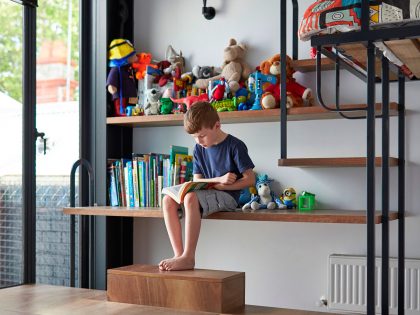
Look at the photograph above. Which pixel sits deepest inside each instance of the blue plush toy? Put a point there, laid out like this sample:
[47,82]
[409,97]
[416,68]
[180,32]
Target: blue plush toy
[265,199]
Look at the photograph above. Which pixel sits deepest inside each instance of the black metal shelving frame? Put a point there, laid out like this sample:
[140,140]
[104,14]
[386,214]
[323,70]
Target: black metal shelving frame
[367,36]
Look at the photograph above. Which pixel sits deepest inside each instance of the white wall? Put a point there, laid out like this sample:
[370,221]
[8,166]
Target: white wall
[285,263]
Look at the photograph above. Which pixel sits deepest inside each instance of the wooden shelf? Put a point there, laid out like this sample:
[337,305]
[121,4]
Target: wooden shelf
[332,162]
[266,115]
[316,216]
[309,65]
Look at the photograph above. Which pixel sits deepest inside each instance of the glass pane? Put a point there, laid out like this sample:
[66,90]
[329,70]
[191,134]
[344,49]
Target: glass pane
[11,245]
[57,115]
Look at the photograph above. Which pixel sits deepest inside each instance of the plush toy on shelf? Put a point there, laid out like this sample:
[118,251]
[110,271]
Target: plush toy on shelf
[297,94]
[234,68]
[121,81]
[265,198]
[174,60]
[152,104]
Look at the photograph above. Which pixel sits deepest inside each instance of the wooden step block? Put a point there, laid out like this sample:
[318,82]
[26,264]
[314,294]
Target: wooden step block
[199,289]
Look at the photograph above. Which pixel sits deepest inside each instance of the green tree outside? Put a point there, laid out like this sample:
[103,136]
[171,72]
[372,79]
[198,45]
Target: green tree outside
[52,24]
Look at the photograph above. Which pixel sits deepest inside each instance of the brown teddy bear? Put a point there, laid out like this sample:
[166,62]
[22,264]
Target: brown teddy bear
[234,68]
[297,95]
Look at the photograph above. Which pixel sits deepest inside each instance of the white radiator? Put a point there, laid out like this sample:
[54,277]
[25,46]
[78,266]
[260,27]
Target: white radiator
[347,284]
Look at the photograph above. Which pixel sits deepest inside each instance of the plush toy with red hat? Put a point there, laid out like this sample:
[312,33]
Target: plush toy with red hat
[121,78]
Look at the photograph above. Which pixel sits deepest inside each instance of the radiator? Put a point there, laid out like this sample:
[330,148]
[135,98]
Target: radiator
[347,284]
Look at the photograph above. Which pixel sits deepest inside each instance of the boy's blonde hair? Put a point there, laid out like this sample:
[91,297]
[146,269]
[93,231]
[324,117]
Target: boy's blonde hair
[200,115]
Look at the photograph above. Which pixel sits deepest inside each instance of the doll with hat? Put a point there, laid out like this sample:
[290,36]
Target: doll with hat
[121,78]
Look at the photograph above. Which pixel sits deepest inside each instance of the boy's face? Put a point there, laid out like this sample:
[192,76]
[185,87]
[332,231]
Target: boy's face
[207,137]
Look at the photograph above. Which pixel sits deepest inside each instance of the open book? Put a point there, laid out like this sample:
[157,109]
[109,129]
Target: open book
[178,192]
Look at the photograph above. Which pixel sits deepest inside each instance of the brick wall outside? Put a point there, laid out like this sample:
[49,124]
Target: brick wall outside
[52,231]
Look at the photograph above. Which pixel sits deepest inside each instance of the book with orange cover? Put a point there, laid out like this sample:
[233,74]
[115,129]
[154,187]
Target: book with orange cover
[178,192]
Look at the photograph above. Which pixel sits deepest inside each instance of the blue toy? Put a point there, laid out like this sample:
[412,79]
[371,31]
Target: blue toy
[256,81]
[265,199]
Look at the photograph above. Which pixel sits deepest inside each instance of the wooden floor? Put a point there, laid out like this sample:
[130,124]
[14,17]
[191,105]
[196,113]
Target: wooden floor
[52,300]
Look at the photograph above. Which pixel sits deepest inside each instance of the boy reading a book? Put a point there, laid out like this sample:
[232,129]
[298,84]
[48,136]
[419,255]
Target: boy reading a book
[219,158]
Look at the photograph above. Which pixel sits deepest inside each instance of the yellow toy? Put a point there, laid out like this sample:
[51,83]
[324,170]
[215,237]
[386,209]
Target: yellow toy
[288,198]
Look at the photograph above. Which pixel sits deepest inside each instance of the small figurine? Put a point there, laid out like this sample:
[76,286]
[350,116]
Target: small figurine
[121,80]
[152,104]
[288,198]
[218,92]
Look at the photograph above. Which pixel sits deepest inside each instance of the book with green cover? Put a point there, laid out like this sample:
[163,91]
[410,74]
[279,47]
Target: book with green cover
[178,192]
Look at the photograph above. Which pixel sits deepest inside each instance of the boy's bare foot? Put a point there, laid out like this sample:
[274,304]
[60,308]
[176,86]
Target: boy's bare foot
[177,263]
[161,264]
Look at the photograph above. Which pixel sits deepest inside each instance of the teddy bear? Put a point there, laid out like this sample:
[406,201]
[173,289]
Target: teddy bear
[234,68]
[297,95]
[152,104]
[265,198]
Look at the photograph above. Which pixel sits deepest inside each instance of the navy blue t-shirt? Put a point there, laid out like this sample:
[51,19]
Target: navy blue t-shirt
[231,155]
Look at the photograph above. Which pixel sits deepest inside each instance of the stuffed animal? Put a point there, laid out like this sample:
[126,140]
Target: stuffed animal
[297,95]
[265,198]
[204,72]
[167,67]
[152,104]
[234,68]
[144,60]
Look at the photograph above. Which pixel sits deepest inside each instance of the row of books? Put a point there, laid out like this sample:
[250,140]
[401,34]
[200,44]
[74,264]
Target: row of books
[139,180]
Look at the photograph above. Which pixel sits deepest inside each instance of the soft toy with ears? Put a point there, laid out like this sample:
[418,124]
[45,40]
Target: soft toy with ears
[297,95]
[234,68]
[265,199]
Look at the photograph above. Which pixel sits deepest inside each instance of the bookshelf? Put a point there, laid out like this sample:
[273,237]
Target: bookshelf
[316,216]
[266,115]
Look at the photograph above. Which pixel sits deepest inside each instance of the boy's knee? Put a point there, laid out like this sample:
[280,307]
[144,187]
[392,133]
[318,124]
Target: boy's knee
[191,199]
[168,203]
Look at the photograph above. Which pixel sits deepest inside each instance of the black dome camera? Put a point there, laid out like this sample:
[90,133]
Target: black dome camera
[208,12]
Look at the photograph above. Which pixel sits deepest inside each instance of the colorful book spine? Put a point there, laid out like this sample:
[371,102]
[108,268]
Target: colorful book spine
[130,183]
[136,183]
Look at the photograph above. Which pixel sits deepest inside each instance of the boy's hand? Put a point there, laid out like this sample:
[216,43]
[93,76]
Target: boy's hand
[228,178]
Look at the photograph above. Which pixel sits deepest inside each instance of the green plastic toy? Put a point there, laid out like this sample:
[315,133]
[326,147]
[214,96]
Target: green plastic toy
[306,201]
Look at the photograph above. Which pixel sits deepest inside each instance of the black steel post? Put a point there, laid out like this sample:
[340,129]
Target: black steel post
[295,52]
[29,139]
[385,187]
[283,96]
[401,192]
[370,173]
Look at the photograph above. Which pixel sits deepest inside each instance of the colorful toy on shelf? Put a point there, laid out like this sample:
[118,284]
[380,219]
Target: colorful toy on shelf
[152,104]
[288,198]
[227,104]
[166,106]
[173,61]
[297,95]
[234,68]
[219,91]
[203,72]
[121,82]
[143,61]
[190,100]
[266,198]
[256,81]
[306,201]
